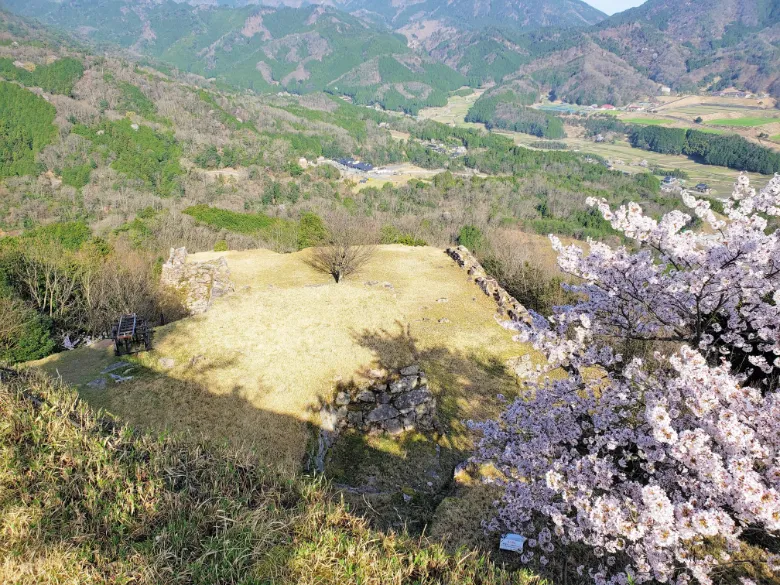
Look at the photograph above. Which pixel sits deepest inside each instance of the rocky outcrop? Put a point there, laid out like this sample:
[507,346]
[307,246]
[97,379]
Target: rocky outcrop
[198,282]
[507,304]
[389,404]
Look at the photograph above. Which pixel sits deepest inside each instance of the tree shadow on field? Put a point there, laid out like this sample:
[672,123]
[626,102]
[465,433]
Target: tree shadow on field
[400,482]
[181,405]
[466,385]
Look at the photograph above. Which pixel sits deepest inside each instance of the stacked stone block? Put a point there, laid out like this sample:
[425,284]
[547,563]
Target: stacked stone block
[392,404]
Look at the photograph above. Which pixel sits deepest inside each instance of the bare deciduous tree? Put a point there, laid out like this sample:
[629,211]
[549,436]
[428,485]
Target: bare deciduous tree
[349,248]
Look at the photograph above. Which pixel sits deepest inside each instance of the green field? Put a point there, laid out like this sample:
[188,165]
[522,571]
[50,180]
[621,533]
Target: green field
[646,121]
[746,122]
[454,112]
[775,138]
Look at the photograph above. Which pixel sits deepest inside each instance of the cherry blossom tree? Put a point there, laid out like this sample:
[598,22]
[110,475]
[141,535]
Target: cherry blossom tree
[662,467]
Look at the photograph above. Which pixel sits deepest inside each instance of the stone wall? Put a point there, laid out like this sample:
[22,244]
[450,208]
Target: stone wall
[199,282]
[507,304]
[390,404]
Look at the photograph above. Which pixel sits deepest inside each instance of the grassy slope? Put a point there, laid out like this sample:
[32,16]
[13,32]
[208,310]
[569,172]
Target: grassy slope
[86,501]
[255,368]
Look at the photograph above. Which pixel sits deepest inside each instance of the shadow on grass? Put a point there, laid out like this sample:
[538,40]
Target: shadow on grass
[400,482]
[465,384]
[86,501]
[397,483]
[158,402]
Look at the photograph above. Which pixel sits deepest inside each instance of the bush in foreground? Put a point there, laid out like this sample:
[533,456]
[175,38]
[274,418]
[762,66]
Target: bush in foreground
[667,467]
[85,500]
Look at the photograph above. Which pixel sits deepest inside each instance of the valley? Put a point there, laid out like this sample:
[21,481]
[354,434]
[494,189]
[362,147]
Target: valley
[679,112]
[426,292]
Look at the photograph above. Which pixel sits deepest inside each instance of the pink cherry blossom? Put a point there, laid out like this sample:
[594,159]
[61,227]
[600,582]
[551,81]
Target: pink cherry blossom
[644,460]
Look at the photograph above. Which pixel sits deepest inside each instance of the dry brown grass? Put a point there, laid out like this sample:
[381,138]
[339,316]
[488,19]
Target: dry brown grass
[255,368]
[86,501]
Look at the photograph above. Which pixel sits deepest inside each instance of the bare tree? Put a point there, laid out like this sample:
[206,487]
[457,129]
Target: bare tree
[349,248]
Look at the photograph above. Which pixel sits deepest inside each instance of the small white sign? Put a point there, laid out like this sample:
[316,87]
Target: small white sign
[513,542]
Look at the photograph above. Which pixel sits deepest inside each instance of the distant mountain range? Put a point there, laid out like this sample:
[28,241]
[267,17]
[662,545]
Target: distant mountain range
[470,14]
[410,53]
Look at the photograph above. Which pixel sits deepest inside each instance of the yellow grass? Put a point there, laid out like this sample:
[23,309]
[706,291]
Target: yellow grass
[255,368]
[454,112]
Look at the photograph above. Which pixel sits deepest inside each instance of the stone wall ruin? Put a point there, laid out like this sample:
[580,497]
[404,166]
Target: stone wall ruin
[198,282]
[390,404]
[508,305]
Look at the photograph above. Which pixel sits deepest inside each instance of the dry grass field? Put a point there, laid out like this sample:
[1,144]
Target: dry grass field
[454,112]
[254,370]
[396,174]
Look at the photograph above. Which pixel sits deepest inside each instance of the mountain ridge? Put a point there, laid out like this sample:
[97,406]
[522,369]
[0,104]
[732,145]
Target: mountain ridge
[410,53]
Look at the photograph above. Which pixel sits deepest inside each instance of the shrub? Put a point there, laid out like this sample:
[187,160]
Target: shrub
[24,335]
[392,235]
[648,182]
[77,176]
[221,246]
[241,223]
[70,235]
[311,230]
[345,251]
[549,145]
[471,237]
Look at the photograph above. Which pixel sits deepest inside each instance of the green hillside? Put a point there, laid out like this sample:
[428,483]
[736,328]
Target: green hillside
[297,50]
[25,128]
[472,14]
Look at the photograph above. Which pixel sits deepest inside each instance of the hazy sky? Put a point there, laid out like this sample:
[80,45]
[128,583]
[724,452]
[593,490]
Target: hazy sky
[613,6]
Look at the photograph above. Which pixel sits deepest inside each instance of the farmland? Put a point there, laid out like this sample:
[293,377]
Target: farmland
[454,112]
[720,179]
[747,122]
[624,157]
[647,121]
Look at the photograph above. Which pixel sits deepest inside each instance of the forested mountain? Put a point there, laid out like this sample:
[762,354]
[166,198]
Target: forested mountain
[420,17]
[264,49]
[461,14]
[408,54]
[696,44]
[714,44]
